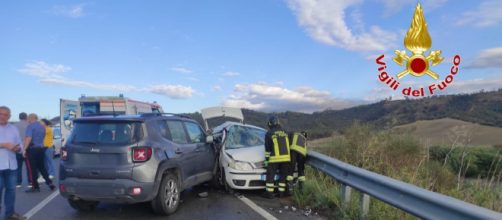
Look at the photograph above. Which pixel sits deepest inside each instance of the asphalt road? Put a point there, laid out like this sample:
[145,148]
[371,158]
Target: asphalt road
[49,205]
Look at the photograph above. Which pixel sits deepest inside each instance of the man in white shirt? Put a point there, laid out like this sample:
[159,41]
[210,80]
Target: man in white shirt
[10,144]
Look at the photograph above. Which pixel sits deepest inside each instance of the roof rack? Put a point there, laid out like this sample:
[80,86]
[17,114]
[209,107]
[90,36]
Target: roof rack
[164,114]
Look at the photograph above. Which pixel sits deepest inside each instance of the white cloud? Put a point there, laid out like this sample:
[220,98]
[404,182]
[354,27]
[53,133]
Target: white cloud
[491,57]
[42,69]
[265,97]
[237,102]
[324,21]
[488,13]
[231,74]
[456,87]
[71,11]
[52,75]
[172,91]
[91,85]
[182,70]
[476,85]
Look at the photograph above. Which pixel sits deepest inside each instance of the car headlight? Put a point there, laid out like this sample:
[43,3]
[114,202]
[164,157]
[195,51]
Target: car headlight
[239,165]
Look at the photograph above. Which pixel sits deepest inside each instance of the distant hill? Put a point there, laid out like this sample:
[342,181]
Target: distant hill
[447,131]
[483,108]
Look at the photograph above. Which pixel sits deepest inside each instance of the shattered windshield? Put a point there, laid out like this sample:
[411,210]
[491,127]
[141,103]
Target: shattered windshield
[242,136]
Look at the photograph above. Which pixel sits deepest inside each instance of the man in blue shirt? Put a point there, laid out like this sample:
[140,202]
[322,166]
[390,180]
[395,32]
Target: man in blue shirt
[35,152]
[10,143]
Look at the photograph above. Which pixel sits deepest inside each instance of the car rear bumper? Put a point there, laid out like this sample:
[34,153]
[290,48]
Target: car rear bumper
[245,180]
[113,191]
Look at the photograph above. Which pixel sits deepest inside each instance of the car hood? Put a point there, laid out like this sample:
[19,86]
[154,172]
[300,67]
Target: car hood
[248,154]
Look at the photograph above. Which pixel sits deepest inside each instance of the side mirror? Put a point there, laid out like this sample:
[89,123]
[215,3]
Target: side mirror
[209,139]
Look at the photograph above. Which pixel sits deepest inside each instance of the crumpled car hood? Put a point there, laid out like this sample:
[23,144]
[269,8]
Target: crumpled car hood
[248,154]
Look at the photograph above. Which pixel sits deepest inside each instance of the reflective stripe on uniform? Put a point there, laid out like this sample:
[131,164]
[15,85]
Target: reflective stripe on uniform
[299,147]
[270,187]
[278,157]
[290,178]
[282,187]
[301,178]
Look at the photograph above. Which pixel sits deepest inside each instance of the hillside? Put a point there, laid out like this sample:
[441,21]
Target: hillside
[446,131]
[483,108]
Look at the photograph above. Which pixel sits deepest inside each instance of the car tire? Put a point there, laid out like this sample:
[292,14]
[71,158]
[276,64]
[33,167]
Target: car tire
[83,205]
[168,197]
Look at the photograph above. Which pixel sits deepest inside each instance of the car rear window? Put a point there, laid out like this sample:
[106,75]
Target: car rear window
[106,132]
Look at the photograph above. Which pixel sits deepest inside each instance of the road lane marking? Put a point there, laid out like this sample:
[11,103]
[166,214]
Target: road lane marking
[257,208]
[41,205]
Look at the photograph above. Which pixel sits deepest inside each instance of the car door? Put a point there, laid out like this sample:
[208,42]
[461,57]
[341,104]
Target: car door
[204,151]
[184,150]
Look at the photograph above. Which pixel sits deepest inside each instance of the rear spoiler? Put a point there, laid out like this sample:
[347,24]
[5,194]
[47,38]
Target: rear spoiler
[215,112]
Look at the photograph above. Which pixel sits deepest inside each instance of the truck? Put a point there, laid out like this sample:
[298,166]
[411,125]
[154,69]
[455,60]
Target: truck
[100,105]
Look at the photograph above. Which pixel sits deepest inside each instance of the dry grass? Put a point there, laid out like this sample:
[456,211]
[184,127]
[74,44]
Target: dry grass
[445,131]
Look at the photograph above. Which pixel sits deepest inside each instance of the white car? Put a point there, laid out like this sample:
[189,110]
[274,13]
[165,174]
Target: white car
[241,150]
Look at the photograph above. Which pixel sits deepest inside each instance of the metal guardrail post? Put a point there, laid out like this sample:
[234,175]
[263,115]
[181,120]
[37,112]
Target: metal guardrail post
[345,196]
[364,206]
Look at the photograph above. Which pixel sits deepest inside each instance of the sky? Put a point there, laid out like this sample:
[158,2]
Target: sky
[267,55]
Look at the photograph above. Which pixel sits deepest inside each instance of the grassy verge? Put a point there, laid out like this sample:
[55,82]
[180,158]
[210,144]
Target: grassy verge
[402,157]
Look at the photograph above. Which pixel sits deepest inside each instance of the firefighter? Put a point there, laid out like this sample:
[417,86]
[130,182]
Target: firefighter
[277,157]
[298,158]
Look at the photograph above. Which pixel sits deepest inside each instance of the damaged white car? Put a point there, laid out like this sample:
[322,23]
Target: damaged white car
[241,150]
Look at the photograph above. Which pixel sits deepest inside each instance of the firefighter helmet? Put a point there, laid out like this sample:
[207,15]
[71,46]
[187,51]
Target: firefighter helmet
[273,121]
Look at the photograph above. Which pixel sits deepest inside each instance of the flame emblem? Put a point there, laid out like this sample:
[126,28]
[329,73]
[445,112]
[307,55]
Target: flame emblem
[418,41]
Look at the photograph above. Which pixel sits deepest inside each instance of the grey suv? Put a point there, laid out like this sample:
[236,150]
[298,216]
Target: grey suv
[131,159]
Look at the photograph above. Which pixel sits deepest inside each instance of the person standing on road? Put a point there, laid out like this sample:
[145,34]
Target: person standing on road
[49,148]
[277,157]
[21,127]
[10,144]
[35,153]
[298,157]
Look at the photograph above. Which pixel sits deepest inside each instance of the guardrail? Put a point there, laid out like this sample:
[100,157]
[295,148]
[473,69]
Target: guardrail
[407,197]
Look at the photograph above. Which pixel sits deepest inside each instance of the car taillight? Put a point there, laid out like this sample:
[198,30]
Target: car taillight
[135,191]
[141,154]
[64,153]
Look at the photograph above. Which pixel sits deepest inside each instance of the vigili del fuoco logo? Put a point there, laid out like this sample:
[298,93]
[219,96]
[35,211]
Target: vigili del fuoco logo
[417,64]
